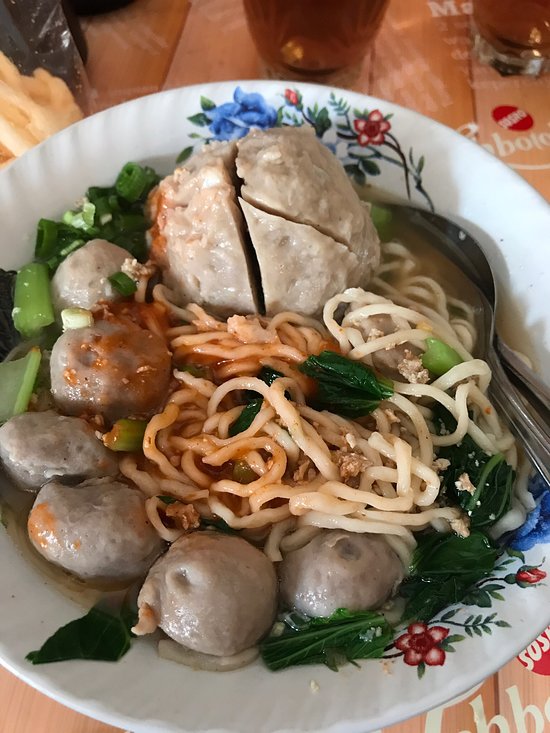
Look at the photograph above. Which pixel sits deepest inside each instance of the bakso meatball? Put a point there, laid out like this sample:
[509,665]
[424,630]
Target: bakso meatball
[210,592]
[36,447]
[82,279]
[339,570]
[113,370]
[97,530]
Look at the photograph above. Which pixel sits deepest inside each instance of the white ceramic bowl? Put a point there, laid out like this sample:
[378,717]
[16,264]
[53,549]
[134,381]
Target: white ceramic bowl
[398,151]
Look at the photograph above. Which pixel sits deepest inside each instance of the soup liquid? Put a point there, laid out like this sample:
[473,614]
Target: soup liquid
[313,38]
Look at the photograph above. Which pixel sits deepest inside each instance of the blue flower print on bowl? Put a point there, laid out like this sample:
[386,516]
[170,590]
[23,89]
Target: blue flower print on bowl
[536,529]
[233,120]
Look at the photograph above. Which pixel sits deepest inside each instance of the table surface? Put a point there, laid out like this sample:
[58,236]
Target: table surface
[161,44]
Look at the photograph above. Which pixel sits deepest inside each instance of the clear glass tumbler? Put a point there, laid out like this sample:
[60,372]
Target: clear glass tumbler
[314,40]
[513,36]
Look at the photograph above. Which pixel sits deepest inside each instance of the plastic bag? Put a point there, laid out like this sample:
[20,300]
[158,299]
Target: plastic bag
[43,85]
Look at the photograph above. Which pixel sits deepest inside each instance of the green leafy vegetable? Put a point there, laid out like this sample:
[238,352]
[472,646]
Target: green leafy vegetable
[492,477]
[342,637]
[439,357]
[98,635]
[443,568]
[17,380]
[218,524]
[344,386]
[32,303]
[249,411]
[126,435]
[122,283]
[167,499]
[246,418]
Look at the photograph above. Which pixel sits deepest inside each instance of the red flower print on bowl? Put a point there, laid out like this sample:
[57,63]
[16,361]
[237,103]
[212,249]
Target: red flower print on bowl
[292,97]
[531,576]
[421,645]
[370,131]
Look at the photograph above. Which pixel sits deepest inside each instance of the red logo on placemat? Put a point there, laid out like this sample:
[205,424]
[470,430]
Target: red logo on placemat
[537,655]
[512,118]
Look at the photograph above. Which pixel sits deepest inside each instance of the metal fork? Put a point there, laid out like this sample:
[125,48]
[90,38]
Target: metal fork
[522,397]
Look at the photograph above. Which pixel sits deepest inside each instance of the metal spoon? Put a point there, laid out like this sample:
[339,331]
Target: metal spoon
[525,401]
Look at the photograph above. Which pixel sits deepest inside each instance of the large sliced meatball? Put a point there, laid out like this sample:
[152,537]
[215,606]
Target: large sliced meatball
[36,447]
[82,279]
[198,236]
[97,530]
[339,570]
[110,369]
[300,268]
[289,172]
[210,592]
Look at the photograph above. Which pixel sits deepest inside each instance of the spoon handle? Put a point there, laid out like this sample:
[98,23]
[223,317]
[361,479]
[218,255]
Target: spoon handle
[529,426]
[530,381]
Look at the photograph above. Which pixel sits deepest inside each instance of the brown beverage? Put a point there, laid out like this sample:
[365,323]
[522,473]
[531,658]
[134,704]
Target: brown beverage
[514,35]
[318,40]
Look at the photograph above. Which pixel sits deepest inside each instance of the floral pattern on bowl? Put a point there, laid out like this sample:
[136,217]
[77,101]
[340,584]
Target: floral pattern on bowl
[361,138]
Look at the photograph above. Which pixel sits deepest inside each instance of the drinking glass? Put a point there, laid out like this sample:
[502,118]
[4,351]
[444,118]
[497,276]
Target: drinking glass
[513,35]
[314,40]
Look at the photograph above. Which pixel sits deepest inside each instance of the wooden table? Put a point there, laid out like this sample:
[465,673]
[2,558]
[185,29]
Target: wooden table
[421,59]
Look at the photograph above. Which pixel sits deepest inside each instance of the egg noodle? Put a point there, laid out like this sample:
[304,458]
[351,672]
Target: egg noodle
[308,469]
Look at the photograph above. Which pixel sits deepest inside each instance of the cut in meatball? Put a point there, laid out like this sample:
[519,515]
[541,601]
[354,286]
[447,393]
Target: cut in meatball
[36,447]
[339,570]
[287,171]
[210,592]
[198,235]
[109,369]
[97,530]
[81,280]
[300,268]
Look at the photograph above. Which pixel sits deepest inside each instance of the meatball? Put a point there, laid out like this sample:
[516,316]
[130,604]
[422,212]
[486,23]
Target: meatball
[97,530]
[81,280]
[36,447]
[210,592]
[110,369]
[339,570]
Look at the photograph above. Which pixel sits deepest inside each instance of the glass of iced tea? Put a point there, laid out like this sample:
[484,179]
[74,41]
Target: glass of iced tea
[314,40]
[513,35]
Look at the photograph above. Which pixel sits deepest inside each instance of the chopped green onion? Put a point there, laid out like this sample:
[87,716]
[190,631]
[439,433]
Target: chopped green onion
[439,357]
[82,219]
[382,220]
[134,182]
[126,435]
[32,302]
[167,499]
[76,318]
[17,380]
[243,473]
[46,238]
[122,283]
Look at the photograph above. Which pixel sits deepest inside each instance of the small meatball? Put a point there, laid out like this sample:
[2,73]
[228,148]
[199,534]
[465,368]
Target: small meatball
[210,592]
[97,530]
[36,447]
[108,369]
[339,570]
[81,280]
